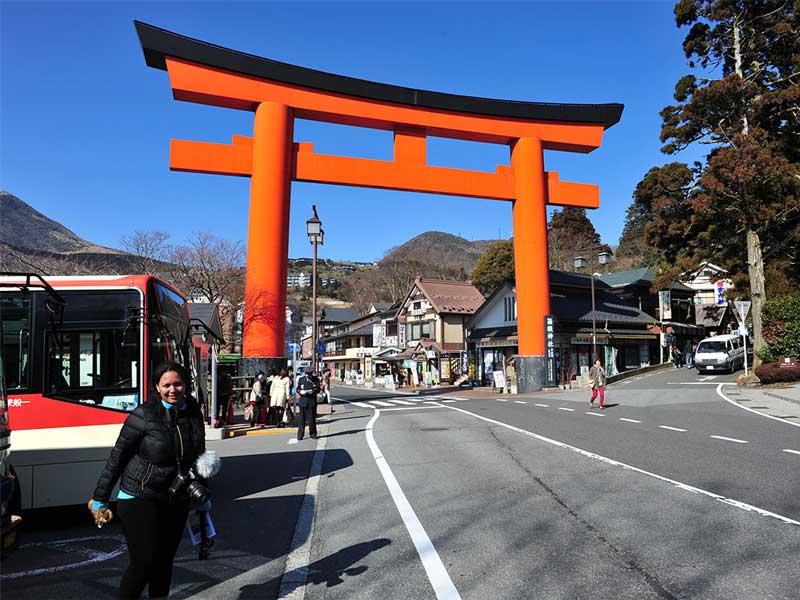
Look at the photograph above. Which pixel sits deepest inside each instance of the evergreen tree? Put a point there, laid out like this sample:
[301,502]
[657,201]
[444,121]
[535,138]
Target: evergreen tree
[570,232]
[494,267]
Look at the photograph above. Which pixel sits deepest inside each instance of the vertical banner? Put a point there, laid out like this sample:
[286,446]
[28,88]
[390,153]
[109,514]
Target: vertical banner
[550,354]
[719,288]
[665,305]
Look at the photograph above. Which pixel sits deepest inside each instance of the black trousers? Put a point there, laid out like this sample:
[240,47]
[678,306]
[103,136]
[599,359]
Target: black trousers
[258,412]
[307,416]
[153,530]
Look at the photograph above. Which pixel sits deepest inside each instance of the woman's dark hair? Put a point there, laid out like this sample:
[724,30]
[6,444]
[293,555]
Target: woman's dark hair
[283,373]
[170,366]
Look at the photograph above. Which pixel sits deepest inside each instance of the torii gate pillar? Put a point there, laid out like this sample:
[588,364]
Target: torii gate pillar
[531,260]
[278,93]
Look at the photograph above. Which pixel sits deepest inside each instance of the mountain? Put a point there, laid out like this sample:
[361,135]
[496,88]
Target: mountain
[23,227]
[440,248]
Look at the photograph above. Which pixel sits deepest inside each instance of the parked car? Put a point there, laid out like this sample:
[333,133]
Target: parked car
[720,353]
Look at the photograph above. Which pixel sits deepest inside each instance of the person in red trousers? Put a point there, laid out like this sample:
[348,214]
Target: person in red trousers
[597,377]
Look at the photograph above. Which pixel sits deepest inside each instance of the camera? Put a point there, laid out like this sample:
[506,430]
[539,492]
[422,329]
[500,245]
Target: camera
[197,492]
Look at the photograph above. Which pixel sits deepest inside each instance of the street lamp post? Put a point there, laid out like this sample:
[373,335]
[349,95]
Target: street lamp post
[579,262]
[315,236]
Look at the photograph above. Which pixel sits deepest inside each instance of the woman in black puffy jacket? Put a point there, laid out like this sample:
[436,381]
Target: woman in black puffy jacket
[160,439]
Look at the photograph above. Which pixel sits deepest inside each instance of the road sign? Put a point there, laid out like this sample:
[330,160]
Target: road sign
[743,307]
[320,347]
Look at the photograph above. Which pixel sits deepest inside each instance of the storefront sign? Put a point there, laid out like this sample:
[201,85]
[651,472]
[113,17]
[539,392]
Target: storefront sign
[498,343]
[464,362]
[719,288]
[602,340]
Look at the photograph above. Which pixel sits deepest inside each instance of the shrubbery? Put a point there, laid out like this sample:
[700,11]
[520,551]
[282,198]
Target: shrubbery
[774,373]
[781,328]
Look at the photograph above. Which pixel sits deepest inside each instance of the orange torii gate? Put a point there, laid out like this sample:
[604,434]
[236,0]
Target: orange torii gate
[278,93]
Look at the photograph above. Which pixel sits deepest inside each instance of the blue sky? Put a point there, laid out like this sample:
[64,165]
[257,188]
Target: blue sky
[85,125]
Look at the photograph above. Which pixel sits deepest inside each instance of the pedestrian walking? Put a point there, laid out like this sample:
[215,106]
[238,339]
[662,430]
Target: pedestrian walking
[325,386]
[155,460]
[278,397]
[688,354]
[307,389]
[677,357]
[258,398]
[224,391]
[597,377]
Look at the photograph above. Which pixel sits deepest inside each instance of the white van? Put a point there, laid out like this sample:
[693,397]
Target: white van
[720,353]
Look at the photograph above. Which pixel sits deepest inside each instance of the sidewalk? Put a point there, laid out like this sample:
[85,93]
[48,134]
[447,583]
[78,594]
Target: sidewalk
[780,402]
[240,427]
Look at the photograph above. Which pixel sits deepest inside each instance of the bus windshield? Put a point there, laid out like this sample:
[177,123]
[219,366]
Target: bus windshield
[169,327]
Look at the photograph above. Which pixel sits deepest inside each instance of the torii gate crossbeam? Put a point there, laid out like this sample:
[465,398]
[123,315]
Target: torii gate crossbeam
[278,93]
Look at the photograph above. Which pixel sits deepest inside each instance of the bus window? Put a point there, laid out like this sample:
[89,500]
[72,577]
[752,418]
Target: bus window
[92,367]
[15,311]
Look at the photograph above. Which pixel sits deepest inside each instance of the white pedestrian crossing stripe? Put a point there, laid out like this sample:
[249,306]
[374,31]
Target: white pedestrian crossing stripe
[380,403]
[403,402]
[361,404]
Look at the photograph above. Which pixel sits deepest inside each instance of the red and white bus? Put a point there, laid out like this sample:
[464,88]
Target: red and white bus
[78,356]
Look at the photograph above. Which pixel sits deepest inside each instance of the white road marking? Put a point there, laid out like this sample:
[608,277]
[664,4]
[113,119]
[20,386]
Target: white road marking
[437,573]
[791,451]
[501,399]
[72,547]
[672,428]
[449,401]
[436,404]
[543,405]
[692,383]
[293,441]
[402,402]
[736,404]
[595,414]
[380,403]
[362,404]
[707,378]
[519,402]
[616,463]
[295,573]
[569,409]
[629,420]
[727,439]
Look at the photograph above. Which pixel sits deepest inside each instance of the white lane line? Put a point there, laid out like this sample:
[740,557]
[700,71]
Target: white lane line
[737,405]
[501,399]
[362,405]
[449,401]
[791,451]
[295,573]
[434,403]
[402,402]
[692,383]
[437,573]
[292,441]
[595,414]
[727,439]
[569,409]
[519,402]
[629,420]
[543,405]
[671,428]
[380,403]
[707,378]
[616,463]
[411,408]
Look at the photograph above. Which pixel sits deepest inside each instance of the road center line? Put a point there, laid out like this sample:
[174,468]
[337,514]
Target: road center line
[595,414]
[501,399]
[629,420]
[616,463]
[791,451]
[295,573]
[727,439]
[671,428]
[519,402]
[543,405]
[569,409]
[437,573]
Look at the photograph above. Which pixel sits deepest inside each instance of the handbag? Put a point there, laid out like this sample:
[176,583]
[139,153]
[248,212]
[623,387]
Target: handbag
[248,412]
[288,416]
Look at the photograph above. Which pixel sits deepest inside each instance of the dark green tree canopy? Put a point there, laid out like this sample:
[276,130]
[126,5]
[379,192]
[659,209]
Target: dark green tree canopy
[494,267]
[570,232]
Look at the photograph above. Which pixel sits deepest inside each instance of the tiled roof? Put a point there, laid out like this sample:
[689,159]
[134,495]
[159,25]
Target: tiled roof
[643,276]
[339,315]
[459,297]
[578,307]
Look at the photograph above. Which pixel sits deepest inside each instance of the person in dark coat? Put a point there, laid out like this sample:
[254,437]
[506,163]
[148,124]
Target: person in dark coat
[307,389]
[162,437]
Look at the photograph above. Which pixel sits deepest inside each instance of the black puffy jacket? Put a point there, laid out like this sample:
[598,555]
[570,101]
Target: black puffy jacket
[147,449]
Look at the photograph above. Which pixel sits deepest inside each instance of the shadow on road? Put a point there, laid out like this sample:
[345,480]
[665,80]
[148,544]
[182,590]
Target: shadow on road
[329,570]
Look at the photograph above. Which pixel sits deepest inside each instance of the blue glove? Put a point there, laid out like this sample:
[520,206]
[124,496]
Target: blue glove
[97,505]
[205,507]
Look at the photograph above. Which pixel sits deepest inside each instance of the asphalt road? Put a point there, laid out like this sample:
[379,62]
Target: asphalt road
[500,497]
